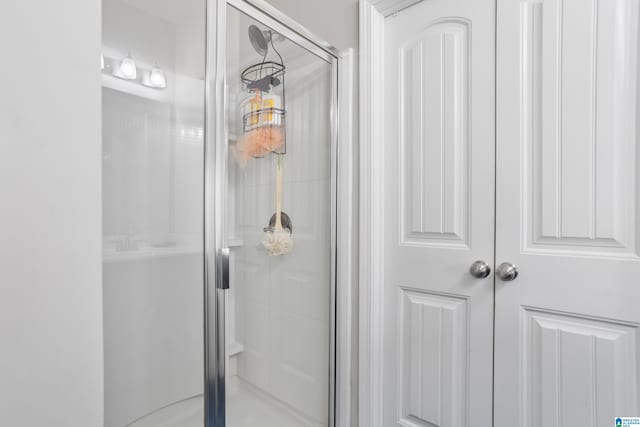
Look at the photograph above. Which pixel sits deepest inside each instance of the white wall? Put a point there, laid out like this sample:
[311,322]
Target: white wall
[50,290]
[336,21]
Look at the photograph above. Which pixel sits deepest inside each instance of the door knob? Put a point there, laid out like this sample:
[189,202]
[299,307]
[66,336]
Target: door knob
[507,272]
[480,269]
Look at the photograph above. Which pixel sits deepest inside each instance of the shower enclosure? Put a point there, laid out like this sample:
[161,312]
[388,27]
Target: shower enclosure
[219,216]
[278,307]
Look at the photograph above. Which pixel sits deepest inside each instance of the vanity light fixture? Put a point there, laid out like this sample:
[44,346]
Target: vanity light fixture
[157,78]
[128,68]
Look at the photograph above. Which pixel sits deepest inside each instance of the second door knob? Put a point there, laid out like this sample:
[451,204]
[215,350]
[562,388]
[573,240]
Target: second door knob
[507,272]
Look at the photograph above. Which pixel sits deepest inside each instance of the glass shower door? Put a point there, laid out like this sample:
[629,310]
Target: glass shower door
[274,226]
[153,68]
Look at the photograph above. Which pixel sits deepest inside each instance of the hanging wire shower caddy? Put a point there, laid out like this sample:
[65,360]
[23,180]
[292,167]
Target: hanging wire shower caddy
[267,110]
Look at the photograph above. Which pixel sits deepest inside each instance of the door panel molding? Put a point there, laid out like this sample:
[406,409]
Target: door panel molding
[558,379]
[578,130]
[433,360]
[435,154]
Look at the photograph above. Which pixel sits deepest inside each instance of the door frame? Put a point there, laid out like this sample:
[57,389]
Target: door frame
[342,340]
[371,243]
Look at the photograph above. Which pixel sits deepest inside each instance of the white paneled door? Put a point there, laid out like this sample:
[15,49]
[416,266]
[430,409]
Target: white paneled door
[566,334]
[439,213]
[553,193]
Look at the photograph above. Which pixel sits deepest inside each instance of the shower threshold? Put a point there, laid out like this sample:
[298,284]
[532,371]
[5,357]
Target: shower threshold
[248,407]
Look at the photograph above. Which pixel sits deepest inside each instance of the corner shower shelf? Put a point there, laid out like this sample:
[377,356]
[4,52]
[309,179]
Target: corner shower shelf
[235,242]
[235,348]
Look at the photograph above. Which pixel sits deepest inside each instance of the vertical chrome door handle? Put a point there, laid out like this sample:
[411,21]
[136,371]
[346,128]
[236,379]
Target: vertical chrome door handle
[222,281]
[480,269]
[507,272]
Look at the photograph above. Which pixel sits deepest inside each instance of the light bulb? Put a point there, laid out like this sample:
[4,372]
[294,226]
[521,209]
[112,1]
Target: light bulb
[102,62]
[128,68]
[157,78]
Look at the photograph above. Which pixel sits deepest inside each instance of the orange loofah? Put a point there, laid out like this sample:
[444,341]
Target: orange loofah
[258,142]
[264,139]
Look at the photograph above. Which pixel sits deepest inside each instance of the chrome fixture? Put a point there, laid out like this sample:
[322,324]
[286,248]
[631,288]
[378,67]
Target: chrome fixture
[507,272]
[259,40]
[286,223]
[480,269]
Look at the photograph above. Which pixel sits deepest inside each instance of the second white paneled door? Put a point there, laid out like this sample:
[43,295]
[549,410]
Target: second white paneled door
[567,347]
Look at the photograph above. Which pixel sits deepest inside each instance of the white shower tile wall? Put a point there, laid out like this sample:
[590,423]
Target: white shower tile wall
[283,303]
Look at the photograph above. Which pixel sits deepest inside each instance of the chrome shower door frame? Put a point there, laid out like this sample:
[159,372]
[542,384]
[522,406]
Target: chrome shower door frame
[216,145]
